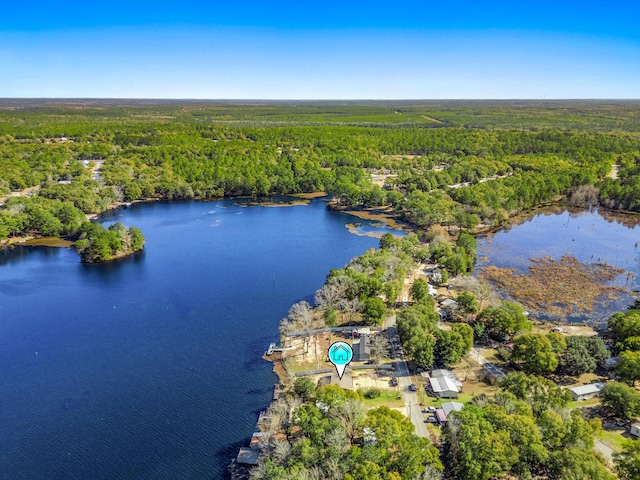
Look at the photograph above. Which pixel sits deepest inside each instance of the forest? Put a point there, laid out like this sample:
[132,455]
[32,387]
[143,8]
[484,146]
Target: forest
[439,163]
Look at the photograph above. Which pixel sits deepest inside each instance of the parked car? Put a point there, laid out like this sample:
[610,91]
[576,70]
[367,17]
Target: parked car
[413,387]
[431,420]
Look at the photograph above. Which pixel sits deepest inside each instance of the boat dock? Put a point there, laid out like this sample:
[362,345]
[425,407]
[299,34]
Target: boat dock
[273,348]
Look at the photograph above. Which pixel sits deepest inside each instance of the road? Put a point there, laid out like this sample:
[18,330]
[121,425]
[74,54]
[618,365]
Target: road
[27,192]
[412,404]
[414,410]
[606,451]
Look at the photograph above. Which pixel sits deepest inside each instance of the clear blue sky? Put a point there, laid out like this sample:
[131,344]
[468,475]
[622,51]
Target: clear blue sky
[349,49]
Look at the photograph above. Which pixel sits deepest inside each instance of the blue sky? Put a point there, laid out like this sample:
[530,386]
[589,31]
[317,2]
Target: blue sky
[320,50]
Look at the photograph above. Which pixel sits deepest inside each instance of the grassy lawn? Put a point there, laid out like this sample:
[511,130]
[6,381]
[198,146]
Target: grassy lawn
[294,366]
[590,402]
[613,437]
[428,401]
[388,398]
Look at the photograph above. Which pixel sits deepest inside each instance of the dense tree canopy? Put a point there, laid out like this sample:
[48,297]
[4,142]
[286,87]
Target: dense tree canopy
[335,439]
[523,432]
[504,320]
[623,401]
[628,461]
[535,353]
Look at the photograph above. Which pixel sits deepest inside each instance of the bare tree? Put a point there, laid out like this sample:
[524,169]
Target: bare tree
[336,438]
[351,307]
[280,452]
[277,412]
[301,314]
[470,364]
[300,311]
[333,468]
[350,414]
[380,347]
[311,473]
[479,288]
[340,289]
[282,412]
[283,329]
[328,295]
[584,196]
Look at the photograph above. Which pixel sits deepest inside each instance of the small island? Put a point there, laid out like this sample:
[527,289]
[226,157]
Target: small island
[98,244]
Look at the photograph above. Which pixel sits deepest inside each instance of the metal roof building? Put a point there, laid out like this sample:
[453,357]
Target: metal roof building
[445,383]
[586,391]
[449,407]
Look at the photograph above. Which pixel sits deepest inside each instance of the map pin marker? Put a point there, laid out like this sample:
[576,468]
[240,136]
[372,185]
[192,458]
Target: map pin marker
[340,354]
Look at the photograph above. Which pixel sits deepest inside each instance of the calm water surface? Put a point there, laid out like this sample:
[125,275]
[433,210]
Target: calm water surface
[589,236]
[151,367]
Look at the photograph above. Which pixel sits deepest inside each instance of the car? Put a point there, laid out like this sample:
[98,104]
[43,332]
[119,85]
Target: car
[431,420]
[413,387]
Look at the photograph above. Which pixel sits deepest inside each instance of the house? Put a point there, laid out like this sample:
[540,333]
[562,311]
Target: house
[441,416]
[445,384]
[635,429]
[433,272]
[248,456]
[345,382]
[442,413]
[449,407]
[610,363]
[259,438]
[362,349]
[584,392]
[448,306]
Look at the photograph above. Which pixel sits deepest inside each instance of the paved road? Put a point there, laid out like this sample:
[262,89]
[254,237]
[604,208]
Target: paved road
[412,404]
[604,449]
[414,410]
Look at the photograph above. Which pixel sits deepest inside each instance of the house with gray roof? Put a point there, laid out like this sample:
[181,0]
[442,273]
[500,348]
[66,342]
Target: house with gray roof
[445,383]
[583,392]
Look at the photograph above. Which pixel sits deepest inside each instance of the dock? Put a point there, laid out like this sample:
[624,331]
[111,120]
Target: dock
[273,348]
[249,456]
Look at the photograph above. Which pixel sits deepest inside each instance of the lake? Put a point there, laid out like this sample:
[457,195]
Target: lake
[150,367]
[589,236]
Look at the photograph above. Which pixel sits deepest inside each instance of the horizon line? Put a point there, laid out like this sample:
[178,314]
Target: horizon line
[272,100]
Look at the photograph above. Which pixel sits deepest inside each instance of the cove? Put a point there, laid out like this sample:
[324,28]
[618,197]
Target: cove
[591,237]
[150,367]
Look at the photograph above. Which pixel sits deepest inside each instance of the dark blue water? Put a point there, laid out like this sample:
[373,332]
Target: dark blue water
[150,367]
[589,236]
